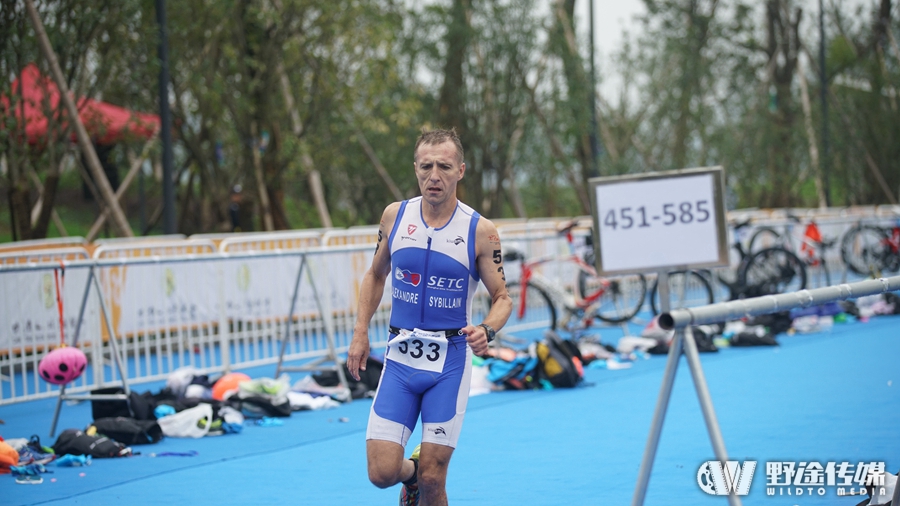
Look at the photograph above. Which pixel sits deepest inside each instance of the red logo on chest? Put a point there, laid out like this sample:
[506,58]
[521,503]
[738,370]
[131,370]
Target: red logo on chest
[410,229]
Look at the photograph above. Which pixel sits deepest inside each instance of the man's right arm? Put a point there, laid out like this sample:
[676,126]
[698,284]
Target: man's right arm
[371,292]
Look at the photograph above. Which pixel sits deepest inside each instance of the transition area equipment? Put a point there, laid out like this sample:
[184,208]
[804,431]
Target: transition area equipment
[659,222]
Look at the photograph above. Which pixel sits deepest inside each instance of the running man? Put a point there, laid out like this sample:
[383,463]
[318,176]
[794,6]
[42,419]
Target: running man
[437,250]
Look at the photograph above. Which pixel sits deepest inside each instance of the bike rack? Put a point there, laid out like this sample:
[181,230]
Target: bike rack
[114,350]
[325,310]
[680,320]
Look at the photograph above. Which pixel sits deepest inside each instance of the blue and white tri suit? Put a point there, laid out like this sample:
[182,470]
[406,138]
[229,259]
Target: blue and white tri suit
[428,363]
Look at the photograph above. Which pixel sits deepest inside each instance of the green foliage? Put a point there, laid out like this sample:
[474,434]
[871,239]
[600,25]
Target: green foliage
[707,82]
[840,55]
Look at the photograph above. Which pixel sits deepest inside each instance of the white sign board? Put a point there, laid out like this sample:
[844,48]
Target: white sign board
[661,220]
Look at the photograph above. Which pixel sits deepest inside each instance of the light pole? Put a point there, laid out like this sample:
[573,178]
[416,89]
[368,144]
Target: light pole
[165,120]
[823,86]
[595,143]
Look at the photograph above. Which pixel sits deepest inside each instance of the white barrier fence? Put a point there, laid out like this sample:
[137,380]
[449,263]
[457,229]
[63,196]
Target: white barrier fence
[221,302]
[199,308]
[211,311]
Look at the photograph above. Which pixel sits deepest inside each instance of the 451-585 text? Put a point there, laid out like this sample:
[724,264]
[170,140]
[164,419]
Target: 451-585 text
[683,213]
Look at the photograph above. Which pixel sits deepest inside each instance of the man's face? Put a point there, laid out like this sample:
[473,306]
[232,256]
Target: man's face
[438,170]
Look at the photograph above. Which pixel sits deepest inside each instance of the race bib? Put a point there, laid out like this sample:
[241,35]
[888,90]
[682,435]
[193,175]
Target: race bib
[419,349]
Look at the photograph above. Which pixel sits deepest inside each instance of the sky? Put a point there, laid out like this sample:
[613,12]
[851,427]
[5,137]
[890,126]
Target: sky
[612,17]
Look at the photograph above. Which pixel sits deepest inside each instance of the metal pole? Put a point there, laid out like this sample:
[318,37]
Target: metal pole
[84,300]
[113,340]
[595,143]
[659,415]
[143,200]
[709,414]
[165,119]
[290,317]
[662,402]
[224,323]
[325,311]
[823,76]
[896,497]
[737,309]
[59,401]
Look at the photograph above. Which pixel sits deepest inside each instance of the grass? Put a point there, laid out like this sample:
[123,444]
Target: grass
[77,213]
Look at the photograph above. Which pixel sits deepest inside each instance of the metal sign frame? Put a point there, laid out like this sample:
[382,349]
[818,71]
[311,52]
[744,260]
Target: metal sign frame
[717,210]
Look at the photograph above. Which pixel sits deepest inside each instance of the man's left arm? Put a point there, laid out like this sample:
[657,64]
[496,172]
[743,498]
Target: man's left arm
[489,262]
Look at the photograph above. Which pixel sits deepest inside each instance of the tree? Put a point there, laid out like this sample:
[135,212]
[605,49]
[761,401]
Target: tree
[80,33]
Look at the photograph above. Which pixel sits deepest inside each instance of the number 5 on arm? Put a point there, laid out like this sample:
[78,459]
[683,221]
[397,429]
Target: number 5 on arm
[489,263]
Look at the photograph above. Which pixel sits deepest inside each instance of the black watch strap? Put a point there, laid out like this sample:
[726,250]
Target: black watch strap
[489,331]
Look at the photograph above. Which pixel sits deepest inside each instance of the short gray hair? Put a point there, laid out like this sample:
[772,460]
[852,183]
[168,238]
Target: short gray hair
[440,136]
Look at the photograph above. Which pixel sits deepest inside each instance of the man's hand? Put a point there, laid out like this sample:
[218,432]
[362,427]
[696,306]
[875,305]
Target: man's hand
[358,353]
[477,339]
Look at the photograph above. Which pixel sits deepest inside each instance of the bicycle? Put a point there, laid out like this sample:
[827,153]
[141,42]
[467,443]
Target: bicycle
[813,246]
[768,271]
[536,298]
[687,288]
[870,250]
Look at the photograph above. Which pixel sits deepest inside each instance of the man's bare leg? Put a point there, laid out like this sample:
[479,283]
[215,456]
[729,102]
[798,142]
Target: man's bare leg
[386,464]
[434,460]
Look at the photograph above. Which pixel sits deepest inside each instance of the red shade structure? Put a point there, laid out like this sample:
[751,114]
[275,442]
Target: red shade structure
[105,123]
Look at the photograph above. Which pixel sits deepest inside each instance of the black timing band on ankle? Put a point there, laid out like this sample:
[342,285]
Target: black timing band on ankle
[415,476]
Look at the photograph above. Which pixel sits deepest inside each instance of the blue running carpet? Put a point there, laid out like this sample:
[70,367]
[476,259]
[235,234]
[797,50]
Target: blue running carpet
[826,397]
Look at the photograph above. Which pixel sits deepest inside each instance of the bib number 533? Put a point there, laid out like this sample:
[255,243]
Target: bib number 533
[419,349]
[416,350]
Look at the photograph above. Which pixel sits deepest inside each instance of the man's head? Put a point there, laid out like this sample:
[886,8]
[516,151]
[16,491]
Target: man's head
[236,195]
[439,166]
[439,136]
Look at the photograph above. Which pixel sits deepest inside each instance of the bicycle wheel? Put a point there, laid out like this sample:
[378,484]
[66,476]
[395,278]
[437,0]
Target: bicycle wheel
[764,237]
[686,289]
[620,297]
[538,311]
[772,271]
[864,248]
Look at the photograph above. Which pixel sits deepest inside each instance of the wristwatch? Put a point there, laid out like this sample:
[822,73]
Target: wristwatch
[489,331]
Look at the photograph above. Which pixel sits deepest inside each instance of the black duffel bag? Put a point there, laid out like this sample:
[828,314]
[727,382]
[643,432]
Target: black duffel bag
[76,442]
[129,431]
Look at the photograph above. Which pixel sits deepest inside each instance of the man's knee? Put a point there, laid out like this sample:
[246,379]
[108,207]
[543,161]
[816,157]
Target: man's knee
[432,479]
[382,477]
[433,472]
[385,462]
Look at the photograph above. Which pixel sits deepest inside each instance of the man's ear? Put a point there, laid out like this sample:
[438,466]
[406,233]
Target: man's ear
[462,170]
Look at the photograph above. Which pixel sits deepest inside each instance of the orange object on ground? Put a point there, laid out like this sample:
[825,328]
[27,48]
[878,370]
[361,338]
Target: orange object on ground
[8,457]
[228,384]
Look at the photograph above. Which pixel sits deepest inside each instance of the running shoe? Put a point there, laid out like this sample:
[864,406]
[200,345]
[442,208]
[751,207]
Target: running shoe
[29,474]
[30,455]
[409,494]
